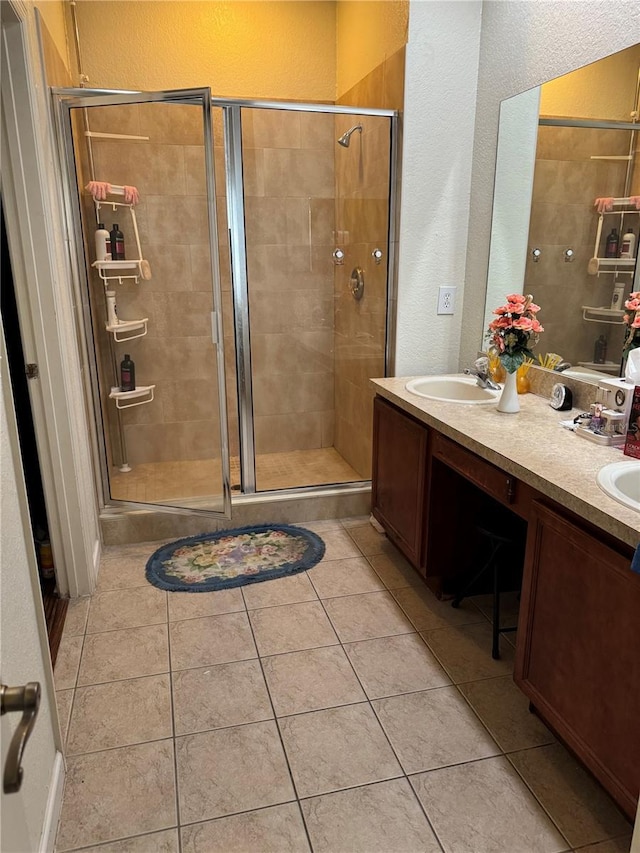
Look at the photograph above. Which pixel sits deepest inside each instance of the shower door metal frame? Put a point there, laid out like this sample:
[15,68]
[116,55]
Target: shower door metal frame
[66,99]
[232,108]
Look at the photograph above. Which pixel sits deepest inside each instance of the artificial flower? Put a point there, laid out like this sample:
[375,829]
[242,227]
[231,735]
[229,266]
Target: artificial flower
[515,331]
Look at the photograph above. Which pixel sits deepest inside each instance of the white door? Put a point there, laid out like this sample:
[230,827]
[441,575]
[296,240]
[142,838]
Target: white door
[29,817]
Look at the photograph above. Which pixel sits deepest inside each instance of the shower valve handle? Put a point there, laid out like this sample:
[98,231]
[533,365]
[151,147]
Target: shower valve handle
[338,256]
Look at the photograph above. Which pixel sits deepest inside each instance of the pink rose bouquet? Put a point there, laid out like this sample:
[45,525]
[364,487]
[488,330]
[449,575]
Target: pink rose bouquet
[632,321]
[515,331]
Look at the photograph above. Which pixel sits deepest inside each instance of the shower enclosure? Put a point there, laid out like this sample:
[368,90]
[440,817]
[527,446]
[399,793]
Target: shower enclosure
[268,231]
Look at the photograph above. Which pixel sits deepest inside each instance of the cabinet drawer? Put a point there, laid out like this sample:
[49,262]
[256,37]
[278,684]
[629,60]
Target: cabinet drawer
[495,482]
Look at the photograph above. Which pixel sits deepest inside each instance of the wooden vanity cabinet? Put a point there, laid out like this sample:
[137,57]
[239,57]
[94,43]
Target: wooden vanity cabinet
[578,650]
[400,446]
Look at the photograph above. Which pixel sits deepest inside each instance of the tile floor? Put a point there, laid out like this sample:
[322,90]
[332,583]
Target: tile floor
[165,481]
[341,709]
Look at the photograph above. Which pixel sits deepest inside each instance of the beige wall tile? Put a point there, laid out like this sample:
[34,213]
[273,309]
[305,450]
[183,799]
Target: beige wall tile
[276,433]
[176,124]
[298,172]
[271,128]
[181,219]
[153,169]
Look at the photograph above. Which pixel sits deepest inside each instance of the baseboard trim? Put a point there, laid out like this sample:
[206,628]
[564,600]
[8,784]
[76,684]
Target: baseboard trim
[54,805]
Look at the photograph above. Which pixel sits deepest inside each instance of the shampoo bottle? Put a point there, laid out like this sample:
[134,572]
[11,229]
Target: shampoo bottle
[127,374]
[628,247]
[611,250]
[112,311]
[103,246]
[117,243]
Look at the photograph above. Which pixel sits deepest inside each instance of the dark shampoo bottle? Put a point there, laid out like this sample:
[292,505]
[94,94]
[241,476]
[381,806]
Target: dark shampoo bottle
[127,374]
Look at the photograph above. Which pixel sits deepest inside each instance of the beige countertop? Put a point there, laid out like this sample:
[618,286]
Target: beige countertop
[530,445]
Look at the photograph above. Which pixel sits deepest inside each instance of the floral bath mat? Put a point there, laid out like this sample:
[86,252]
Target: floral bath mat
[231,558]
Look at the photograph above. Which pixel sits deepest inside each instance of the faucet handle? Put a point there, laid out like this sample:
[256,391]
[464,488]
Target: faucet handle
[482,364]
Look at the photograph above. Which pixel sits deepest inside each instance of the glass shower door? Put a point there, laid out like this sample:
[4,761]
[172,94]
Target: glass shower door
[314,341]
[144,163]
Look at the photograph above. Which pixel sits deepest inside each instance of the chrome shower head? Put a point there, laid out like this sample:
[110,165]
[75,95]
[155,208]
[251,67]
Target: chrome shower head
[346,137]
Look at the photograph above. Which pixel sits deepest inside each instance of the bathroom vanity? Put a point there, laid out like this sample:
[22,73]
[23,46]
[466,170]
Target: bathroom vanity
[439,467]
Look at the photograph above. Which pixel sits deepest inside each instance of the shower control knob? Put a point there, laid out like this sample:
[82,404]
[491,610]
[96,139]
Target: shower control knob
[535,254]
[338,256]
[376,255]
[569,256]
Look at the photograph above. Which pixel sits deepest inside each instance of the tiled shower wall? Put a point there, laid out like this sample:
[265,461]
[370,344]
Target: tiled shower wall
[566,183]
[362,208]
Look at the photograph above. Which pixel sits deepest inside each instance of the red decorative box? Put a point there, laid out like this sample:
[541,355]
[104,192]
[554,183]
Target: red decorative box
[632,444]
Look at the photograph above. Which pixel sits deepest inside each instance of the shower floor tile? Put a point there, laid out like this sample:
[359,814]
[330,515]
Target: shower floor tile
[153,482]
[285,736]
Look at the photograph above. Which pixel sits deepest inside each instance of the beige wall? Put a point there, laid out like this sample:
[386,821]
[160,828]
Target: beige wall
[242,49]
[605,89]
[367,34]
[53,14]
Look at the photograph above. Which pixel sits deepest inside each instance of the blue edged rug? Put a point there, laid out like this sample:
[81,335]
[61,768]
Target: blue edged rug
[230,558]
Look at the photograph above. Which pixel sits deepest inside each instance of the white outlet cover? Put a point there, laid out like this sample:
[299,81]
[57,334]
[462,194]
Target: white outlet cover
[446,299]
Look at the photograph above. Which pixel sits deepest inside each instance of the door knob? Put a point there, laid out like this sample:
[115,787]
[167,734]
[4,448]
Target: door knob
[26,700]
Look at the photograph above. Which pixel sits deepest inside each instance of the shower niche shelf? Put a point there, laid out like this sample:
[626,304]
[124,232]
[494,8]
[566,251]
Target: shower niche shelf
[128,330]
[128,399]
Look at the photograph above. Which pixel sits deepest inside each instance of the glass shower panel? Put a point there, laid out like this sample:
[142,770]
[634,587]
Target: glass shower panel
[314,345]
[164,441]
[582,294]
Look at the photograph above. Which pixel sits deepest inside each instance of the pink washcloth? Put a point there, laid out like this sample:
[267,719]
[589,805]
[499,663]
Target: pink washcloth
[635,201]
[603,204]
[131,195]
[98,189]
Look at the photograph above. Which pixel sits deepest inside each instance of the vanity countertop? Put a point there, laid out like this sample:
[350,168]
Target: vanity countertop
[530,445]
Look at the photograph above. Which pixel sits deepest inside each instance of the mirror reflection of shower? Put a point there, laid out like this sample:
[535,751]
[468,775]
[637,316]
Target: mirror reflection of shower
[345,139]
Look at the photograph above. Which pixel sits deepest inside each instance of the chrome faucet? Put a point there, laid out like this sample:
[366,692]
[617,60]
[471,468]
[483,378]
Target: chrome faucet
[481,372]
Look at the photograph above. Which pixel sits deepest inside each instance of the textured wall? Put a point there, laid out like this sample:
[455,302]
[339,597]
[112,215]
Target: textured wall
[524,44]
[367,33]
[54,17]
[239,49]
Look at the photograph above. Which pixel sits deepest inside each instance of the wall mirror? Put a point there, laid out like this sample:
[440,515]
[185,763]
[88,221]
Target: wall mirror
[561,146]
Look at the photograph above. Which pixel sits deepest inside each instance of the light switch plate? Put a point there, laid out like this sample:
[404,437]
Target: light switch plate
[446,300]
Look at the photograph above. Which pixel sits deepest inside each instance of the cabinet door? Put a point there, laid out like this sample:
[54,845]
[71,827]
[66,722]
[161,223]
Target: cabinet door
[578,656]
[399,464]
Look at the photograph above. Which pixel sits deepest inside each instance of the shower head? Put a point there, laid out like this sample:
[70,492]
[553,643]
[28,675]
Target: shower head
[346,137]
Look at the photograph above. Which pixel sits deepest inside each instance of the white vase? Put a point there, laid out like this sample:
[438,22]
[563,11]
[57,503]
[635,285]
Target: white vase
[508,401]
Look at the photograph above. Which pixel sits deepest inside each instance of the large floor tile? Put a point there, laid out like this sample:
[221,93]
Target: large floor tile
[391,665]
[291,627]
[311,680]
[484,807]
[394,571]
[509,607]
[582,810]
[65,672]
[155,842]
[287,590]
[374,819]
[120,713]
[118,793]
[127,608]
[465,652]
[433,729]
[231,770]
[504,709]
[127,653]
[427,613]
[344,577]
[337,748]
[338,545]
[211,640]
[75,619]
[278,829]
[193,605]
[228,694]
[123,566]
[368,539]
[363,617]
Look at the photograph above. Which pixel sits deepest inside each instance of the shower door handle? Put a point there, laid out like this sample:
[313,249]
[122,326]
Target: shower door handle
[27,700]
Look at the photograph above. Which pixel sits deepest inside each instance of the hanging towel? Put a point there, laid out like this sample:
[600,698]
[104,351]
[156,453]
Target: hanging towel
[131,195]
[98,189]
[603,204]
[635,201]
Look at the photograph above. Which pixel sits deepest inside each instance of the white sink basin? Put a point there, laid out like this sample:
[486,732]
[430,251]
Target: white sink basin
[621,481]
[454,388]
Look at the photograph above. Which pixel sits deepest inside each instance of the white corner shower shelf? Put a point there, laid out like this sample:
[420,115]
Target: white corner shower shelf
[116,268]
[128,399]
[602,315]
[128,330]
